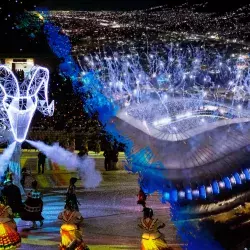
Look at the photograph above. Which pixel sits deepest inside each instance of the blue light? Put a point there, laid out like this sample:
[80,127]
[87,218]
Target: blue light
[202,191]
[227,183]
[188,192]
[174,195]
[195,193]
[237,178]
[246,173]
[215,186]
[232,180]
[166,196]
[242,177]
[181,194]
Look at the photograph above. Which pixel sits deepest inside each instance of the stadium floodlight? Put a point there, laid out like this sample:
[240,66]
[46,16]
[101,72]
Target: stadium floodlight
[21,101]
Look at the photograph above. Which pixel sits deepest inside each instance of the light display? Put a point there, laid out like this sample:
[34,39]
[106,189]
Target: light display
[173,104]
[172,107]
[20,101]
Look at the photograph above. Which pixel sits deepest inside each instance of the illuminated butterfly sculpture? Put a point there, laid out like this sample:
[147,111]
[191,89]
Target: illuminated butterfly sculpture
[18,102]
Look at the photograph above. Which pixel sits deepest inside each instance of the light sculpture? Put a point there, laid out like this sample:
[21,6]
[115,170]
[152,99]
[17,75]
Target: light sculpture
[19,102]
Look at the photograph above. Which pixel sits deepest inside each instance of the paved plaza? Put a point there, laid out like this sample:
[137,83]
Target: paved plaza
[110,212]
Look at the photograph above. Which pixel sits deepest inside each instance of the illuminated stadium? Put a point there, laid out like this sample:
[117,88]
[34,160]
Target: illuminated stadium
[186,112]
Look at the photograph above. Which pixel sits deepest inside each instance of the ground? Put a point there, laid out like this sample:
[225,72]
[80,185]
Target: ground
[110,212]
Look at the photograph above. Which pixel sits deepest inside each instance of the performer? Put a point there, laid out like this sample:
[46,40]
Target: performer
[12,196]
[71,194]
[33,207]
[9,237]
[27,178]
[72,229]
[142,198]
[152,239]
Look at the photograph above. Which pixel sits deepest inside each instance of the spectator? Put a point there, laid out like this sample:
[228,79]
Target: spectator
[41,162]
[97,147]
[114,158]
[83,152]
[108,158]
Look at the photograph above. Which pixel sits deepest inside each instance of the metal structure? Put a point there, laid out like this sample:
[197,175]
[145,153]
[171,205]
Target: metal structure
[19,102]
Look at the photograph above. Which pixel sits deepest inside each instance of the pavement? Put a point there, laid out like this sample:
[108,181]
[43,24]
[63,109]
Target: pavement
[110,212]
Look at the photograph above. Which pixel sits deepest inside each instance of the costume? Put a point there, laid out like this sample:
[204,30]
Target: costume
[72,230]
[12,197]
[142,198]
[71,197]
[9,237]
[33,207]
[152,239]
[26,179]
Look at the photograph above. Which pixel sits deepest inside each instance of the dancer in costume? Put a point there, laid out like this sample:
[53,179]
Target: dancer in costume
[71,194]
[9,237]
[152,238]
[12,196]
[33,207]
[142,198]
[27,178]
[72,229]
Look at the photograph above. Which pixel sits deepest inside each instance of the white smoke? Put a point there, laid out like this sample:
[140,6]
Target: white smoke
[90,176]
[5,156]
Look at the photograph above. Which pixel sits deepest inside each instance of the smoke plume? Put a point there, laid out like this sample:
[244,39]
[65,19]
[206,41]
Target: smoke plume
[90,176]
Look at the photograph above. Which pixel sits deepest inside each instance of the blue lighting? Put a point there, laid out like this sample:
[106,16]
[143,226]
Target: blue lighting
[202,191]
[181,194]
[195,193]
[174,195]
[215,186]
[227,183]
[166,196]
[246,173]
[237,178]
[189,193]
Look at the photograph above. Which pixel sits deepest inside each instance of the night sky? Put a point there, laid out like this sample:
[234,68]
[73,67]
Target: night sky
[135,4]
